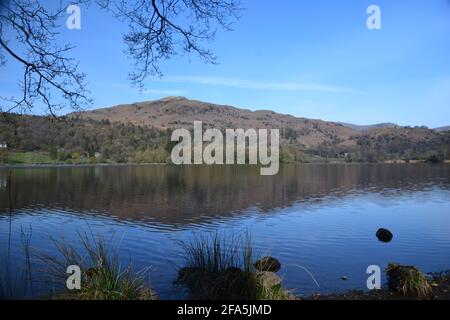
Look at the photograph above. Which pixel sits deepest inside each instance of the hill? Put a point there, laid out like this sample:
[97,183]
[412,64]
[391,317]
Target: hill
[140,132]
[317,137]
[179,112]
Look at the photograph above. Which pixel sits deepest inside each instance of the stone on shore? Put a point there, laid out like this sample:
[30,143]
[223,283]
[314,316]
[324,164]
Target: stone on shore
[268,264]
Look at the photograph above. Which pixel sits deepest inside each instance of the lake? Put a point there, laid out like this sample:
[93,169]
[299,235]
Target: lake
[315,216]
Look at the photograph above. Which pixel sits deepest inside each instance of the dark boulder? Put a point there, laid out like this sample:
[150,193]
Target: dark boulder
[384,235]
[268,264]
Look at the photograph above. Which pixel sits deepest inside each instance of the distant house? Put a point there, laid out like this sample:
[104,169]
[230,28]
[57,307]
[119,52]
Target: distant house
[3,146]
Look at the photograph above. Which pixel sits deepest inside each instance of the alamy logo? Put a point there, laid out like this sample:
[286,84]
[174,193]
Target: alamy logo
[374,280]
[236,147]
[374,20]
[74,20]
[74,280]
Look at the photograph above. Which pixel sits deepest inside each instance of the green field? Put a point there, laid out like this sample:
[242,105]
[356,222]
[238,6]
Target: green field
[36,157]
[27,158]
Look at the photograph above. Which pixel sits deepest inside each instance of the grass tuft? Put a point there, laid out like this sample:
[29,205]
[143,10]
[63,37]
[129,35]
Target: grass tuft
[221,268]
[103,277]
[407,280]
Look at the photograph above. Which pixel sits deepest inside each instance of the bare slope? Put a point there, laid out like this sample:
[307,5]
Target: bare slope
[179,112]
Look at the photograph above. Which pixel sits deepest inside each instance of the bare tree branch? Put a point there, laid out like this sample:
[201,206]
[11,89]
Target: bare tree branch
[158,30]
[46,68]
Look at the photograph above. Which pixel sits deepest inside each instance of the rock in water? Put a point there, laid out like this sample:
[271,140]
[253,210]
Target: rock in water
[384,235]
[268,264]
[407,280]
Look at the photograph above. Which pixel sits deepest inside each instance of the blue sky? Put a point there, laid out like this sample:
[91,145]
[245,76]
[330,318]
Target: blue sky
[314,59]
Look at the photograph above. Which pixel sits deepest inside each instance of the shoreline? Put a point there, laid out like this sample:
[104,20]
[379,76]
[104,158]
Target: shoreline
[69,165]
[439,283]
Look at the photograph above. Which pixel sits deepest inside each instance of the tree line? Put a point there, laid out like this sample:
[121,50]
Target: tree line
[73,140]
[70,140]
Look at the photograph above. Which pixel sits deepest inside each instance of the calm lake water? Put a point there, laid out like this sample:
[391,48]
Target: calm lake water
[321,217]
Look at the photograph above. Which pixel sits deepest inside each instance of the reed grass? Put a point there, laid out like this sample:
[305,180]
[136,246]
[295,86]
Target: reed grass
[16,280]
[103,276]
[220,267]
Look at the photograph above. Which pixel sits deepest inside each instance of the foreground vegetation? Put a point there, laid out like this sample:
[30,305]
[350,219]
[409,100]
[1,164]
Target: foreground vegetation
[216,268]
[221,268]
[102,275]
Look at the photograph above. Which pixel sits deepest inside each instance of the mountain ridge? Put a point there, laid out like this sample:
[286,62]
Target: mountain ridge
[180,99]
[176,112]
[141,133]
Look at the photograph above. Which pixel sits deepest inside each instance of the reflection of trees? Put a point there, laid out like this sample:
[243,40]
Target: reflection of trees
[178,194]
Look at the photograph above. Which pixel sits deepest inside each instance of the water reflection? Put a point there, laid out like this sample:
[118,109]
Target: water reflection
[180,195]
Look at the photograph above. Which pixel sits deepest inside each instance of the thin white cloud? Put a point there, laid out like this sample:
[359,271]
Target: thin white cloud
[165,92]
[258,85]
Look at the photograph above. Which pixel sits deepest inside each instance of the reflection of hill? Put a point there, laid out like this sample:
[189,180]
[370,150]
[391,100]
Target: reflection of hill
[176,195]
